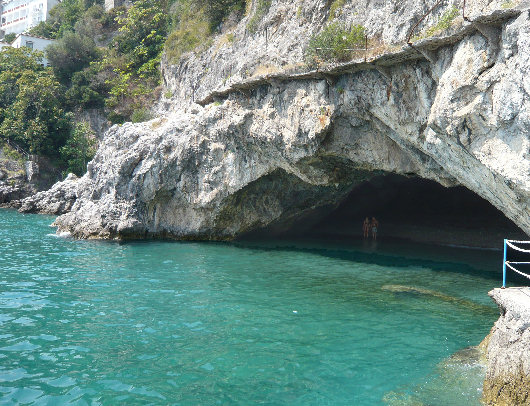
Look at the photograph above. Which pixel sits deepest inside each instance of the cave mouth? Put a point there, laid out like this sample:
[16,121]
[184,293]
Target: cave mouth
[410,208]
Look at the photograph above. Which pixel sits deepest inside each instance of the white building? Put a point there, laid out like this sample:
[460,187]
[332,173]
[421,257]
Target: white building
[21,15]
[32,42]
[110,4]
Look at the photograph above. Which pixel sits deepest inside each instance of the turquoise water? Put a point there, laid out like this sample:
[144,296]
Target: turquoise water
[236,324]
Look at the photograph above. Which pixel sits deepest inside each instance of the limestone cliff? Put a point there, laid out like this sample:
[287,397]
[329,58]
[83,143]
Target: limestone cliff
[251,138]
[507,380]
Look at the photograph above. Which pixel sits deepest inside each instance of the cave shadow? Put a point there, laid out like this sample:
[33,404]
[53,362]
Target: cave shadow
[407,208]
[415,215]
[458,265]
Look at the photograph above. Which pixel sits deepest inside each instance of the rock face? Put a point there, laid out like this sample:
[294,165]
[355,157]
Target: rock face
[277,147]
[507,380]
[277,41]
[264,150]
[57,200]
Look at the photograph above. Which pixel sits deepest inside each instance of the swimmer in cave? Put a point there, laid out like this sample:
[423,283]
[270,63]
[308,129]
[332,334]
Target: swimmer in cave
[374,225]
[366,227]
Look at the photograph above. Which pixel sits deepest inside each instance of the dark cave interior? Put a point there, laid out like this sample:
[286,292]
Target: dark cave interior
[415,209]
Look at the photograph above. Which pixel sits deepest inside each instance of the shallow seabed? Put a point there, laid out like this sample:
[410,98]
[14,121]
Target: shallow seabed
[275,323]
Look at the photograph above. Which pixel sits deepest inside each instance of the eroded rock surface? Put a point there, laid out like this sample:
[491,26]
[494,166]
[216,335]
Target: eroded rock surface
[265,152]
[57,200]
[507,380]
[268,154]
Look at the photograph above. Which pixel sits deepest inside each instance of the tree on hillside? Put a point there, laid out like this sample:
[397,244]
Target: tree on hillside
[13,63]
[63,18]
[71,54]
[36,120]
[89,88]
[143,30]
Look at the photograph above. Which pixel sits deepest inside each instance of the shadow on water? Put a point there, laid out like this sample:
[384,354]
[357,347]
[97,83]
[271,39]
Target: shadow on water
[475,262]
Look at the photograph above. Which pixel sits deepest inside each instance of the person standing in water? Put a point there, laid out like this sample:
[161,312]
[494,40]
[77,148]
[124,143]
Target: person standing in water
[375,226]
[366,227]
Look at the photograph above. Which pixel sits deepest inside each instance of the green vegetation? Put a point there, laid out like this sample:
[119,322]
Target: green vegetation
[262,7]
[9,38]
[133,59]
[140,115]
[336,9]
[63,18]
[12,153]
[79,148]
[106,61]
[192,29]
[334,43]
[31,103]
[194,21]
[508,4]
[70,54]
[444,23]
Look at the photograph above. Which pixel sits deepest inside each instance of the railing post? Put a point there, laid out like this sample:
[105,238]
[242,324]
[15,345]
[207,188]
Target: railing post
[504,267]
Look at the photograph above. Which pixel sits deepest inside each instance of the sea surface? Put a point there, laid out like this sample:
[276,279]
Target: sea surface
[272,323]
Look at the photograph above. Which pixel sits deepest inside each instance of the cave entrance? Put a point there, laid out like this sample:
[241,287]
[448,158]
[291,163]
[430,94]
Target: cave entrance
[414,209]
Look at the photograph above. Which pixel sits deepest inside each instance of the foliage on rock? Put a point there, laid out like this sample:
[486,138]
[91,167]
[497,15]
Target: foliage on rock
[79,149]
[261,8]
[193,23]
[335,43]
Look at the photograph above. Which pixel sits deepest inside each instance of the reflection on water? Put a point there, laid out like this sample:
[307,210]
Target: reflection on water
[86,322]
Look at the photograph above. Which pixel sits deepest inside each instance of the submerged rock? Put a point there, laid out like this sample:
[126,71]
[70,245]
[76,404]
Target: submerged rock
[439,295]
[455,381]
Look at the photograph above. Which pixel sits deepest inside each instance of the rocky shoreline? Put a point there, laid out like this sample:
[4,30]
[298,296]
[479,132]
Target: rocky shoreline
[507,348]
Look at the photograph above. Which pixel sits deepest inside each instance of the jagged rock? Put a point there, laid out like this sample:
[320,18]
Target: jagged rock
[507,380]
[278,41]
[11,192]
[57,200]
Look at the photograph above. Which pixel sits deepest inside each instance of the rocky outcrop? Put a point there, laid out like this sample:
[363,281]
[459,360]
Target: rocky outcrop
[20,178]
[507,380]
[57,200]
[269,151]
[97,120]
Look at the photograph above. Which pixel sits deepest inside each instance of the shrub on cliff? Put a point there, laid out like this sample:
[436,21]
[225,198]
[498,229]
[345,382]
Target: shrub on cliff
[261,8]
[335,43]
[194,21]
[79,148]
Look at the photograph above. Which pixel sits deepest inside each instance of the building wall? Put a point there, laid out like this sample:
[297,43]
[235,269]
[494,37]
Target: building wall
[110,4]
[35,43]
[18,16]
